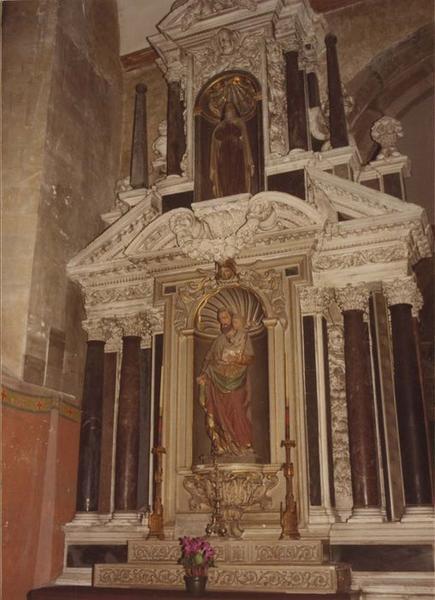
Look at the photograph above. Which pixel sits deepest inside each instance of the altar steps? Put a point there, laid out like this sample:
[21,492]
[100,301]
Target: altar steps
[270,566]
[92,593]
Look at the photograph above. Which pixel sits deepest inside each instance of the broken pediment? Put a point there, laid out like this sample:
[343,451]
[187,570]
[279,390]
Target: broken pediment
[219,229]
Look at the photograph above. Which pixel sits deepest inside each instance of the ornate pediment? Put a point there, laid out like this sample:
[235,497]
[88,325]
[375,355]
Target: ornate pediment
[215,230]
[184,15]
[219,229]
[354,200]
[212,230]
[110,244]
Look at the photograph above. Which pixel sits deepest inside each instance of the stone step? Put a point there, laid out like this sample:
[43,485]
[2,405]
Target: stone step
[307,579]
[273,552]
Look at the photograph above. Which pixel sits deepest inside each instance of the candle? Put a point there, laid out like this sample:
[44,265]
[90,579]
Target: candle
[160,421]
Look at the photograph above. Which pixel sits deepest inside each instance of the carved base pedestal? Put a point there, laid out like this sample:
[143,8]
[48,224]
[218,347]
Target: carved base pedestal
[276,566]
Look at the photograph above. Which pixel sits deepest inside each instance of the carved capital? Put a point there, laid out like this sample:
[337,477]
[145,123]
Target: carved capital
[141,325]
[315,300]
[96,329]
[353,297]
[404,291]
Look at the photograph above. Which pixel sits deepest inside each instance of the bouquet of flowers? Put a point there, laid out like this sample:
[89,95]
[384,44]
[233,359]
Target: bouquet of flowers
[197,555]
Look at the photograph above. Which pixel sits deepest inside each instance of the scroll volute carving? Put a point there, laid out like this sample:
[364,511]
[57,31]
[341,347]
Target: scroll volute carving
[228,137]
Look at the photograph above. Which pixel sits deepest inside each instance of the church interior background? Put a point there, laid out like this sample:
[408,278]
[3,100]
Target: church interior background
[218,296]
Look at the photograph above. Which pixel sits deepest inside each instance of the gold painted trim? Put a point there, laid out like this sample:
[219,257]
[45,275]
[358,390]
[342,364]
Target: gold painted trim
[39,404]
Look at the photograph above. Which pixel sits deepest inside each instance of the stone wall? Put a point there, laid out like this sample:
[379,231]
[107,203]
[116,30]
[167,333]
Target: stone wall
[74,150]
[62,128]
[367,28]
[29,30]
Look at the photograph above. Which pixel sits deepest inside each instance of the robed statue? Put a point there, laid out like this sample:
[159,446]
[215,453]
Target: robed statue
[231,163]
[224,388]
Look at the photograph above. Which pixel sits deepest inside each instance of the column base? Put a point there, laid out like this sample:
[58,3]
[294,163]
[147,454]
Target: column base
[321,515]
[125,518]
[367,515]
[87,519]
[418,514]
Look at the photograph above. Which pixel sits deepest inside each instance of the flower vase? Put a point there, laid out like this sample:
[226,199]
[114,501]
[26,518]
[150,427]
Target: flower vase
[195,585]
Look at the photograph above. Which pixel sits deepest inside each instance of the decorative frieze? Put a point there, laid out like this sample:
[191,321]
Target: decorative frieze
[279,552]
[109,295]
[353,297]
[315,300]
[404,291]
[324,579]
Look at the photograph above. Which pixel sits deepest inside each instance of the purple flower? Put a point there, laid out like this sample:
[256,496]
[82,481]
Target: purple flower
[196,555]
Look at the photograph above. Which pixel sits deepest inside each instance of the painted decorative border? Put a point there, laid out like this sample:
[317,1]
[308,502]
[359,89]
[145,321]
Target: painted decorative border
[39,404]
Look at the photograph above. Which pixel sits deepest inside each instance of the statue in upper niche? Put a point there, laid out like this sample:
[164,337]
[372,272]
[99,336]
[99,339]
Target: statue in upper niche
[231,163]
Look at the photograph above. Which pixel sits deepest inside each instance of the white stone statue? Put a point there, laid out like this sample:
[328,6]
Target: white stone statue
[386,131]
[159,147]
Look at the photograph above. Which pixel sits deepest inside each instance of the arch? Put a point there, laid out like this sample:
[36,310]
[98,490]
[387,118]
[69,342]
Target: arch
[391,83]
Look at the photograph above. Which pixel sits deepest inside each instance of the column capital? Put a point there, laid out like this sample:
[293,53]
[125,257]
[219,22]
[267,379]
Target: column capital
[142,324]
[404,291]
[353,297]
[96,329]
[176,72]
[315,300]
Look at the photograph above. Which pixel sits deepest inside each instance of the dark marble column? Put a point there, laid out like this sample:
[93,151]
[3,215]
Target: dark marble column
[139,151]
[312,411]
[109,391]
[409,399]
[127,438]
[90,431]
[145,427]
[176,137]
[296,103]
[360,401]
[337,117]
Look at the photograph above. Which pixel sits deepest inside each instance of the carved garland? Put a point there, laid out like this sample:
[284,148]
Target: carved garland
[340,432]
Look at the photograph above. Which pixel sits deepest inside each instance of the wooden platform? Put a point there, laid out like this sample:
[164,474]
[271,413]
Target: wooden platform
[91,593]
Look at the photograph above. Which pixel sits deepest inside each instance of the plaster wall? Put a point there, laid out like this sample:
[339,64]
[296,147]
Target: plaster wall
[66,134]
[29,30]
[39,456]
[62,124]
[367,28]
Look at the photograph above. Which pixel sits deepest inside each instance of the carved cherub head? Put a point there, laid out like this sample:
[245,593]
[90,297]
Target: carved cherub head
[226,270]
[225,41]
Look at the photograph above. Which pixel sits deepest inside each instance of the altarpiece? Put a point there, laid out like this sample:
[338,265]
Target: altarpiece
[263,310]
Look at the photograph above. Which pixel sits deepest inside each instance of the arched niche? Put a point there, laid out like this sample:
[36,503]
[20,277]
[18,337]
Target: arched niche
[244,92]
[238,301]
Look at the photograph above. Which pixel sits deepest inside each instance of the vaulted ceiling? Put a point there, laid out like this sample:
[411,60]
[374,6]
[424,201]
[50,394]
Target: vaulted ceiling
[138,18]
